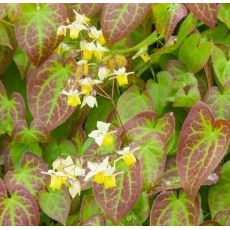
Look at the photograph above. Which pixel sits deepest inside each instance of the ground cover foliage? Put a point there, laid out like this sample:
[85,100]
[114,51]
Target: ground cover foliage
[114,114]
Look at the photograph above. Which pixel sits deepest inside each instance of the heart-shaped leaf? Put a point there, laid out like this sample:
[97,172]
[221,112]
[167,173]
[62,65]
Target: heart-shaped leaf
[152,154]
[166,17]
[219,102]
[172,209]
[55,204]
[28,174]
[132,102]
[120,19]
[202,145]
[218,196]
[47,103]
[11,110]
[117,202]
[36,29]
[36,133]
[192,47]
[221,66]
[206,12]
[19,209]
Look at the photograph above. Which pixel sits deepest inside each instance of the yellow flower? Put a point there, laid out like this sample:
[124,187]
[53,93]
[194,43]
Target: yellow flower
[110,182]
[99,51]
[101,135]
[75,29]
[81,18]
[88,49]
[73,97]
[85,65]
[56,182]
[99,178]
[127,155]
[61,31]
[96,34]
[143,54]
[121,76]
[87,85]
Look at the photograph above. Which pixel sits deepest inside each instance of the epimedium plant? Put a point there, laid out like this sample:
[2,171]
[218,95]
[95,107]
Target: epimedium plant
[114,114]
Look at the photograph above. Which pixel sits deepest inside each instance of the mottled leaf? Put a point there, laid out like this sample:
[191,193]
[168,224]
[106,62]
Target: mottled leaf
[44,91]
[13,10]
[120,19]
[132,102]
[172,209]
[11,110]
[36,133]
[202,145]
[218,196]
[28,174]
[20,208]
[166,17]
[90,9]
[36,29]
[219,102]
[221,66]
[95,221]
[193,46]
[206,12]
[55,204]
[2,10]
[117,202]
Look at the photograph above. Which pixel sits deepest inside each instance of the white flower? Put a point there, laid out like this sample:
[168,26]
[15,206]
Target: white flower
[96,168]
[74,187]
[81,19]
[103,73]
[96,34]
[90,100]
[100,133]
[121,76]
[127,154]
[89,81]
[75,29]
[61,30]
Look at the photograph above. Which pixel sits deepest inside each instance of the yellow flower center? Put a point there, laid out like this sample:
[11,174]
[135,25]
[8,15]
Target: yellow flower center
[73,100]
[99,178]
[129,159]
[122,79]
[87,54]
[86,88]
[108,140]
[74,32]
[110,182]
[57,182]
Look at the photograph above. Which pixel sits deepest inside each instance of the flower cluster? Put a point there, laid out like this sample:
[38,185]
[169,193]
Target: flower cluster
[66,171]
[82,89]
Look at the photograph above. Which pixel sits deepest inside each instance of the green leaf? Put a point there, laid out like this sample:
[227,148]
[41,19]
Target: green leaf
[119,20]
[172,209]
[218,196]
[167,16]
[160,91]
[117,202]
[28,174]
[131,97]
[5,37]
[89,208]
[55,204]
[13,10]
[11,110]
[95,221]
[36,29]
[193,46]
[202,145]
[2,10]
[206,12]
[219,102]
[224,14]
[47,103]
[221,66]
[20,208]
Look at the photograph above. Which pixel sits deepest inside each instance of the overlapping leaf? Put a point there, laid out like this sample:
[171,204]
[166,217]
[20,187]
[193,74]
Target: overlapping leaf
[166,17]
[206,12]
[55,204]
[44,91]
[224,14]
[221,66]
[28,174]
[172,209]
[218,197]
[192,47]
[202,145]
[219,102]
[97,220]
[118,20]
[11,110]
[117,202]
[36,29]
[20,208]
[132,102]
